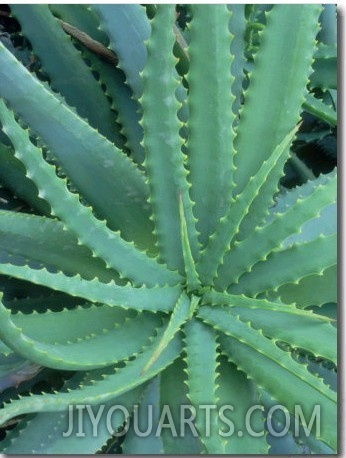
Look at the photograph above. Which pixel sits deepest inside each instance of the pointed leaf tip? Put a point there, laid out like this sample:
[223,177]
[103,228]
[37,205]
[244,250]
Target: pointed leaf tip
[192,279]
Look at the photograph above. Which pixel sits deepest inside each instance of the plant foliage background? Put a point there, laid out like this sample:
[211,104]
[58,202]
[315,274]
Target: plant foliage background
[167,222]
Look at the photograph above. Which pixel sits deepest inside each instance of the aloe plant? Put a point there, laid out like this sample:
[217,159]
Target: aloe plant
[162,263]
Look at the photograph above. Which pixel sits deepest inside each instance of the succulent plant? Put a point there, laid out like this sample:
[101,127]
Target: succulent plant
[163,265]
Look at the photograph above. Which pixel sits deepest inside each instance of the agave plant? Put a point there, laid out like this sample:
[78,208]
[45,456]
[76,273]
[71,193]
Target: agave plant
[163,268]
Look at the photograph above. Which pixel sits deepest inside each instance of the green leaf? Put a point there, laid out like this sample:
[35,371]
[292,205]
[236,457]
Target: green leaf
[107,386]
[88,352]
[50,318]
[13,176]
[284,87]
[44,431]
[82,17]
[219,242]
[94,291]
[325,75]
[128,28]
[128,109]
[238,300]
[105,243]
[68,325]
[202,382]
[37,298]
[142,436]
[311,290]
[192,279]
[273,100]
[274,370]
[210,136]
[164,160]
[290,220]
[237,394]
[179,316]
[44,240]
[105,176]
[56,52]
[291,442]
[328,32]
[173,393]
[289,197]
[299,331]
[237,27]
[324,224]
[288,265]
[319,109]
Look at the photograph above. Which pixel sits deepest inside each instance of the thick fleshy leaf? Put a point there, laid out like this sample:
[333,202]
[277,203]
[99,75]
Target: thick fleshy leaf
[228,227]
[311,290]
[105,387]
[89,351]
[44,240]
[210,135]
[288,266]
[143,435]
[164,160]
[178,317]
[246,345]
[105,176]
[202,366]
[56,51]
[264,124]
[54,433]
[182,437]
[95,291]
[13,176]
[78,218]
[237,396]
[294,220]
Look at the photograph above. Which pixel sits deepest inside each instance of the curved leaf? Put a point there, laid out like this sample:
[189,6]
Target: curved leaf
[89,352]
[164,159]
[246,345]
[109,245]
[45,240]
[95,291]
[265,239]
[45,431]
[288,266]
[103,174]
[56,52]
[107,386]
